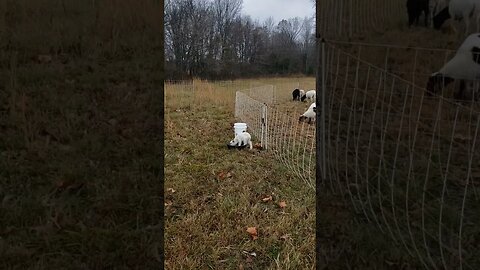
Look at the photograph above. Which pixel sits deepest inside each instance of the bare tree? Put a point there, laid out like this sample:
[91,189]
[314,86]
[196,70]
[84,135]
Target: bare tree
[210,38]
[289,30]
[186,36]
[225,12]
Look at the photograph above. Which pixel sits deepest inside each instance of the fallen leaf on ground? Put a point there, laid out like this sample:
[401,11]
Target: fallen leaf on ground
[75,187]
[63,184]
[60,184]
[258,146]
[44,58]
[253,232]
[282,204]
[223,175]
[268,198]
[168,203]
[285,237]
[171,190]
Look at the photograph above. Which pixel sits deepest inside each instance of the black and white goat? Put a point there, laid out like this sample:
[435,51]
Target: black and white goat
[458,10]
[309,114]
[464,67]
[415,9]
[436,6]
[310,95]
[297,94]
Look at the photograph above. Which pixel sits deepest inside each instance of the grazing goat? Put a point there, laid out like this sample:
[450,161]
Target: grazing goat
[310,95]
[309,114]
[458,10]
[436,6]
[415,9]
[464,66]
[297,94]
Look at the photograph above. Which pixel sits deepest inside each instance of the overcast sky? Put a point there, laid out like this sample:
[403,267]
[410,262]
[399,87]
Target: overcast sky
[278,9]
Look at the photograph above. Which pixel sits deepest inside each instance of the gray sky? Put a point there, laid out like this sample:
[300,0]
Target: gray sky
[278,9]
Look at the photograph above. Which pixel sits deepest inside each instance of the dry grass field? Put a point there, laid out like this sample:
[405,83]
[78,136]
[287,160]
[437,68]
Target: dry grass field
[80,134]
[214,194]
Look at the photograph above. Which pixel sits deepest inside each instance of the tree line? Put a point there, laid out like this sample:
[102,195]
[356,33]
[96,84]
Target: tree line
[212,39]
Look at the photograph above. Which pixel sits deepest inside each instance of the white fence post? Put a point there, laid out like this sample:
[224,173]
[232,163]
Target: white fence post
[264,127]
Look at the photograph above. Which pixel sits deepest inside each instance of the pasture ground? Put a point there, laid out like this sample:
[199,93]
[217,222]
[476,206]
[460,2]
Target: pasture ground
[346,243]
[213,194]
[80,134]
[80,165]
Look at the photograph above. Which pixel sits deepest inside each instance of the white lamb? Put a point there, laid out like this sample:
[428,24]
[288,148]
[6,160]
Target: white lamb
[457,10]
[464,67]
[309,114]
[241,140]
[310,95]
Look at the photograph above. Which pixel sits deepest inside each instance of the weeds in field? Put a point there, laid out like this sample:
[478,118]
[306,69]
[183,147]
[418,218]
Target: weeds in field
[219,193]
[80,135]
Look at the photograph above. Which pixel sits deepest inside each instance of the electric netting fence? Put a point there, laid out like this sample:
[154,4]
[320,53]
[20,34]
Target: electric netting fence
[278,128]
[404,160]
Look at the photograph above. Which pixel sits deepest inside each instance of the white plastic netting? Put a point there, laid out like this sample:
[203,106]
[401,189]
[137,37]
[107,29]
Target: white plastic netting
[405,161]
[278,128]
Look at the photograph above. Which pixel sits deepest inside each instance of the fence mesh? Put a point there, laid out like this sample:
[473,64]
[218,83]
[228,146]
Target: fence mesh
[278,127]
[405,161]
[343,19]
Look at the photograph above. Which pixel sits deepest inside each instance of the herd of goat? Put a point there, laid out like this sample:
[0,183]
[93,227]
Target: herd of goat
[464,67]
[301,95]
[441,10]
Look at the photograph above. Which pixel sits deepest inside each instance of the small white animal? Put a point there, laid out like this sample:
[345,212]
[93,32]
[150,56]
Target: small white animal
[310,95]
[241,140]
[464,67]
[458,10]
[309,114]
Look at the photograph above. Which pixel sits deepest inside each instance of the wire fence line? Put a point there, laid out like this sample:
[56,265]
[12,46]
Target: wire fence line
[265,93]
[272,117]
[342,19]
[254,114]
[405,161]
[292,142]
[414,64]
